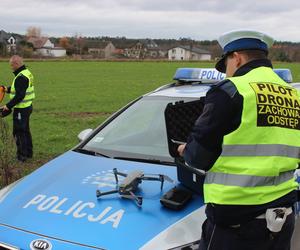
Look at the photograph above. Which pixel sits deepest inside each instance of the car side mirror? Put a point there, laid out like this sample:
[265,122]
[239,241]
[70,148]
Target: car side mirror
[84,134]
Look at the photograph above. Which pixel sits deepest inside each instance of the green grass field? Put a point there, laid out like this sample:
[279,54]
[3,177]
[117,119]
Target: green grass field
[72,96]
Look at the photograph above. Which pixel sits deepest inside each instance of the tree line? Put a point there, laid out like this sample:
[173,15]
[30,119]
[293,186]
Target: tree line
[281,51]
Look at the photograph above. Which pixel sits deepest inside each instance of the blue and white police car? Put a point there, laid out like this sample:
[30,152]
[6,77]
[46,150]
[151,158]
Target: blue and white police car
[56,206]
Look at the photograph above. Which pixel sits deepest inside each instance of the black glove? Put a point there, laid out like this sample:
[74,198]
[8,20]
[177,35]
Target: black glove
[4,113]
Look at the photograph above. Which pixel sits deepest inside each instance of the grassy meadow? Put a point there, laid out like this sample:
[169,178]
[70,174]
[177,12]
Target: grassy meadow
[74,95]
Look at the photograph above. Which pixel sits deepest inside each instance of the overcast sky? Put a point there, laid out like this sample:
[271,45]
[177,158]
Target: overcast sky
[196,19]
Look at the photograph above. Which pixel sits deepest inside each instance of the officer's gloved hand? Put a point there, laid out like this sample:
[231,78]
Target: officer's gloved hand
[4,112]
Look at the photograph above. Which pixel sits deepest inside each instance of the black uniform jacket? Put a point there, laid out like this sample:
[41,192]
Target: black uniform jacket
[222,115]
[21,84]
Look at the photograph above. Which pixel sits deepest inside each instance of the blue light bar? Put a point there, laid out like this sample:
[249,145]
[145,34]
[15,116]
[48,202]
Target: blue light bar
[205,75]
[211,75]
[284,74]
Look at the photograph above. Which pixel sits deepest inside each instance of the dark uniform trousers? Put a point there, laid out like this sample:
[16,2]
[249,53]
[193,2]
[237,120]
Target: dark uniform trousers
[253,235]
[21,132]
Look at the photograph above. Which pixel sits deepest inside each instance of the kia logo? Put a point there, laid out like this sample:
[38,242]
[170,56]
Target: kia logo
[40,245]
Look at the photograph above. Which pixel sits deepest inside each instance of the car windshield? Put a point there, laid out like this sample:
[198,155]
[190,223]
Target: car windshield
[139,132]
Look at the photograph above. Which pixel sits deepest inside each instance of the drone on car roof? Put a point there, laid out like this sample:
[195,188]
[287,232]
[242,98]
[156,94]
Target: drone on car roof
[130,184]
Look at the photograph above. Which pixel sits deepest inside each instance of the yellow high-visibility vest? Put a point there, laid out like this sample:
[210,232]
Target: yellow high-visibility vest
[30,95]
[258,159]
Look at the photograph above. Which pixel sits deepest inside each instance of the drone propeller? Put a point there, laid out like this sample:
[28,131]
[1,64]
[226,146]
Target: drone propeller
[160,178]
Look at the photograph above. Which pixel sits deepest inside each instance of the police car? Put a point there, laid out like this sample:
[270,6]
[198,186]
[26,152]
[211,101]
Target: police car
[74,202]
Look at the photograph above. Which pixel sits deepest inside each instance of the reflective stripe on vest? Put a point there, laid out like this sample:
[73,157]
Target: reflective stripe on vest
[26,101]
[29,95]
[261,150]
[246,180]
[258,159]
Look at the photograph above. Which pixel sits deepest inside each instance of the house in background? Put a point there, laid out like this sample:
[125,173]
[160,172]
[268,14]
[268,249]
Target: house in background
[8,43]
[102,50]
[44,47]
[122,45]
[188,53]
[145,48]
[136,51]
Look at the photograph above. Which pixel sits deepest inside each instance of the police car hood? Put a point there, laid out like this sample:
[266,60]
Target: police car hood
[58,201]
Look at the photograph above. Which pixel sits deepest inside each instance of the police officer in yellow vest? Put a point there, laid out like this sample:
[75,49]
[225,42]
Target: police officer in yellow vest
[21,96]
[248,142]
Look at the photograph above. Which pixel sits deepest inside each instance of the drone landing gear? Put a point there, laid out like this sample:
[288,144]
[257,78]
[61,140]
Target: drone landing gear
[138,199]
[130,195]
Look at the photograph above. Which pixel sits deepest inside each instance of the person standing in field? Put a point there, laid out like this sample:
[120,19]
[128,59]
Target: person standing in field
[21,97]
[248,142]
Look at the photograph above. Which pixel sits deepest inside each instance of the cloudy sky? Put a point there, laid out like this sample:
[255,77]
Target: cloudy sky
[196,19]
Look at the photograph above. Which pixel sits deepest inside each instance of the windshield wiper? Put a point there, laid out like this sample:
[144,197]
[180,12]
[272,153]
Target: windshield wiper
[154,161]
[90,152]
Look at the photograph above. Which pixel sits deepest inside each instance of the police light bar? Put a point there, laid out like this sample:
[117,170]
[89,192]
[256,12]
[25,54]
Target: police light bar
[205,75]
[211,75]
[284,74]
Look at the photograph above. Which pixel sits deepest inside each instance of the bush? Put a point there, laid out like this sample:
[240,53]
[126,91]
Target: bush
[8,167]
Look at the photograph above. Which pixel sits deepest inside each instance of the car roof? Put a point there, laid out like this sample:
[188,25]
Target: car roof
[188,90]
[195,90]
[195,82]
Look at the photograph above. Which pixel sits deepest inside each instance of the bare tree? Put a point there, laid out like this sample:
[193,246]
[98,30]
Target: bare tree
[79,43]
[33,32]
